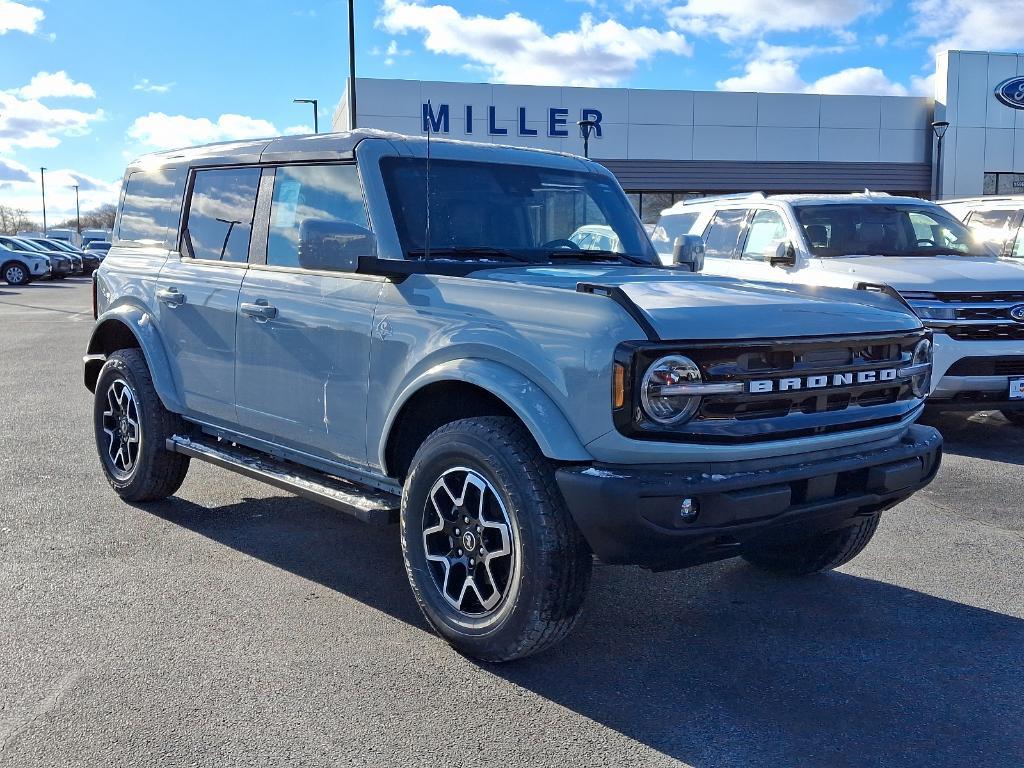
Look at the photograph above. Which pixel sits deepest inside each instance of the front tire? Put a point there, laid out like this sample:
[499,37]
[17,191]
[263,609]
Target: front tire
[1014,417]
[15,273]
[511,581]
[131,427]
[820,553]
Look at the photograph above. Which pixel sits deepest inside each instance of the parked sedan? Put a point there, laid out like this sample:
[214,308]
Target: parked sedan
[62,263]
[22,267]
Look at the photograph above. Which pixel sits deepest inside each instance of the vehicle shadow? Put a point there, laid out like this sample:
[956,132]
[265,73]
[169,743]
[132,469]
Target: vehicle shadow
[983,435]
[719,665]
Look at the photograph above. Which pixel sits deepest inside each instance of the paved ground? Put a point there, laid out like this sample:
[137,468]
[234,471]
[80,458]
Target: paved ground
[235,625]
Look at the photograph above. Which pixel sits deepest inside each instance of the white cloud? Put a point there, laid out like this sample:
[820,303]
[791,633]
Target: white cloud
[146,86]
[18,17]
[734,19]
[881,40]
[23,191]
[971,24]
[28,123]
[516,49]
[298,130]
[775,69]
[161,131]
[53,85]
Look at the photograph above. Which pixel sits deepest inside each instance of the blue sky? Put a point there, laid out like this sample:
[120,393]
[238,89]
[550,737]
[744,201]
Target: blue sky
[82,92]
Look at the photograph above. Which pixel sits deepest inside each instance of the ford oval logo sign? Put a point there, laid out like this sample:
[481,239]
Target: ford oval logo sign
[1017,313]
[1011,92]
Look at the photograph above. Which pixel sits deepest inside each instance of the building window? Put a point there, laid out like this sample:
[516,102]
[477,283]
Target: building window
[1003,184]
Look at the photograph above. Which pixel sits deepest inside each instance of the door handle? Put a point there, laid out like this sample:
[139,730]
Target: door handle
[172,297]
[259,310]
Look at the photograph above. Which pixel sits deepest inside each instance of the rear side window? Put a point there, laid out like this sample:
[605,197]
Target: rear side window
[220,213]
[151,208]
[724,233]
[310,192]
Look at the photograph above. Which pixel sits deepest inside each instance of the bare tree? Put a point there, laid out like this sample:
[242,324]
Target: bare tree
[15,220]
[100,218]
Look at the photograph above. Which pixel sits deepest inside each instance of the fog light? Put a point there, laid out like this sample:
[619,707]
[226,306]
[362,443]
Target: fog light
[688,510]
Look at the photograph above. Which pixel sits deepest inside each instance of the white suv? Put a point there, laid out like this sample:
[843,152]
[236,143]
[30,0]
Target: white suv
[972,300]
[996,220]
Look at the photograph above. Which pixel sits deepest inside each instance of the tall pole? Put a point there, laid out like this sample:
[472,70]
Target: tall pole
[352,122]
[316,111]
[42,181]
[938,170]
[78,214]
[586,128]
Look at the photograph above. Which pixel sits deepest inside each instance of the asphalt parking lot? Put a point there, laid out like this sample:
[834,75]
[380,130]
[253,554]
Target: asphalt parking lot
[236,625]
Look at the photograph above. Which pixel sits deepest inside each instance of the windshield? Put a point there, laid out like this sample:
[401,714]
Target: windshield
[498,211]
[31,245]
[875,229]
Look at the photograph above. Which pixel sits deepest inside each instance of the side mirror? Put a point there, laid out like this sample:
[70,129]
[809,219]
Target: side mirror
[688,251]
[784,256]
[334,245]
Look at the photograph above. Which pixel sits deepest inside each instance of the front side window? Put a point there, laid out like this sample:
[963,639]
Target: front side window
[878,229]
[220,214]
[310,192]
[991,226]
[724,233]
[767,231]
[151,207]
[671,226]
[527,213]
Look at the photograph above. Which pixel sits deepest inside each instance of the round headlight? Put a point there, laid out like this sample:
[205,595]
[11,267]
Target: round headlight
[921,383]
[656,389]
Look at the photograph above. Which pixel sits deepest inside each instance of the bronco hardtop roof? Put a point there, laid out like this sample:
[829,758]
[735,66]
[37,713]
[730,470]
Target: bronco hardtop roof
[321,146]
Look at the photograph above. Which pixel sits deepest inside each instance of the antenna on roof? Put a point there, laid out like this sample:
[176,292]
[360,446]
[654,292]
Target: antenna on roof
[426,232]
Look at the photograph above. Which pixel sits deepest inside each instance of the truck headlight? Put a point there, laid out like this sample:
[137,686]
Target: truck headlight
[921,383]
[931,312]
[663,391]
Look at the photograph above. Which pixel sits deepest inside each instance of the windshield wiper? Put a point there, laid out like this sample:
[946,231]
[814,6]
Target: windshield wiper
[468,252]
[598,255]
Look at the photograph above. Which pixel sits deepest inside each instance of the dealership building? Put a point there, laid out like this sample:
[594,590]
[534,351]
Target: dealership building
[664,145]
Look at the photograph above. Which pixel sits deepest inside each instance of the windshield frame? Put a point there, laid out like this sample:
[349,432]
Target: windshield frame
[976,250]
[618,214]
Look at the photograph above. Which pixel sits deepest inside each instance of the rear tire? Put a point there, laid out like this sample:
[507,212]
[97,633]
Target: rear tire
[132,426]
[15,273]
[511,582]
[1014,417]
[820,553]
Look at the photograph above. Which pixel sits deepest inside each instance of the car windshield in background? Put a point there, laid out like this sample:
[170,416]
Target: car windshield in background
[505,212]
[875,229]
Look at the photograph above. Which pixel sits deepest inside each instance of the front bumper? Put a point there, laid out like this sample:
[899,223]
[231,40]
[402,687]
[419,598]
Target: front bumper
[631,514]
[952,391]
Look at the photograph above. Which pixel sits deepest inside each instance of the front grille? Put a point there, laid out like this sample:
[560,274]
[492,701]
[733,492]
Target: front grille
[778,414]
[994,297]
[1010,365]
[994,332]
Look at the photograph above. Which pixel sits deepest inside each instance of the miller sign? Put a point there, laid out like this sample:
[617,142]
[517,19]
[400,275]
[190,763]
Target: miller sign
[438,120]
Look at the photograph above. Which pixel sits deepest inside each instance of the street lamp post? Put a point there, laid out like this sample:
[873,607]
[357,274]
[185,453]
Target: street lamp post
[586,129]
[42,182]
[78,213]
[316,112]
[939,129]
[352,65]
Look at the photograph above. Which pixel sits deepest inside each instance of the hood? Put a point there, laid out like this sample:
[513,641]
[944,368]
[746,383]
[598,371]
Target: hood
[937,274]
[689,306]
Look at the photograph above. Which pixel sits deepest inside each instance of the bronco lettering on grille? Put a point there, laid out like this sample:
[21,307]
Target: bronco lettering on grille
[822,381]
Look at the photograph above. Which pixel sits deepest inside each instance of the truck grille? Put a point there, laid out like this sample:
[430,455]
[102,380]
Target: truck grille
[972,316]
[749,416]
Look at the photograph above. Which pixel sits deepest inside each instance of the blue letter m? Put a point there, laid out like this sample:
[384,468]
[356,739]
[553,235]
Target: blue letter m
[435,123]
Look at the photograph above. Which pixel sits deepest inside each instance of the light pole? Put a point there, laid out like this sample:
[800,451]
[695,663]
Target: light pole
[78,213]
[939,129]
[42,181]
[352,65]
[586,128]
[316,112]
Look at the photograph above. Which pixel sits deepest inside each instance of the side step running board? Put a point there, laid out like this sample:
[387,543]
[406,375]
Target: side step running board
[370,506]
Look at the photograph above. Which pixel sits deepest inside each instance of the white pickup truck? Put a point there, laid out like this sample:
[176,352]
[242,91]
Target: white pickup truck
[972,300]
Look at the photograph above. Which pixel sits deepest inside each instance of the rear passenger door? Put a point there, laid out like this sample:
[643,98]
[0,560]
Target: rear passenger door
[198,291]
[304,332]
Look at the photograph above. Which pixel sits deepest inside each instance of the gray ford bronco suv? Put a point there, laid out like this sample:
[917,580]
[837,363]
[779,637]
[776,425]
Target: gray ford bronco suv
[410,332]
